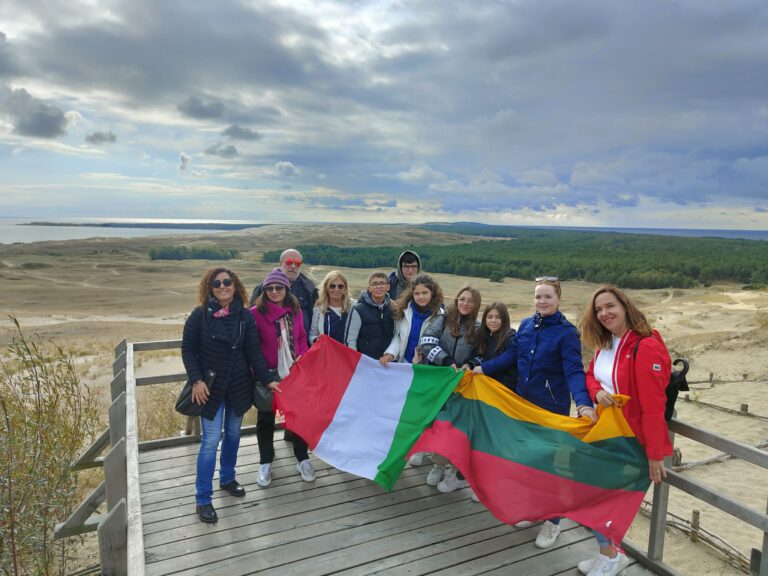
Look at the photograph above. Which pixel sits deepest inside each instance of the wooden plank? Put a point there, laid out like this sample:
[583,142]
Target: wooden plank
[88,458]
[114,474]
[521,559]
[403,542]
[325,503]
[112,542]
[118,364]
[223,556]
[401,560]
[718,499]
[156,345]
[161,379]
[737,449]
[79,517]
[117,420]
[655,566]
[135,551]
[117,386]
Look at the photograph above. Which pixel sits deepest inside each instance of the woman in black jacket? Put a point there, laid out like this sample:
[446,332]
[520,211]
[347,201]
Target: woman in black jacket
[220,335]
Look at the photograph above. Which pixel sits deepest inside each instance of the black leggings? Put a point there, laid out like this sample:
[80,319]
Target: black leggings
[265,429]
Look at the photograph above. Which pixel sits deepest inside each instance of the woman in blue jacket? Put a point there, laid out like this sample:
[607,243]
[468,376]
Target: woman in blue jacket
[547,351]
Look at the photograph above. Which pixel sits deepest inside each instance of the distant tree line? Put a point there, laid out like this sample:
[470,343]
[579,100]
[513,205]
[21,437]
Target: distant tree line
[192,253]
[631,261]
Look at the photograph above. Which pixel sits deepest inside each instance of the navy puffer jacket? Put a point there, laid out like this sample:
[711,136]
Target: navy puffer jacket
[547,351]
[230,347]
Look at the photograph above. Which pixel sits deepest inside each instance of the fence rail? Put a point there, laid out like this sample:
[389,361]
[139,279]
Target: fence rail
[121,541]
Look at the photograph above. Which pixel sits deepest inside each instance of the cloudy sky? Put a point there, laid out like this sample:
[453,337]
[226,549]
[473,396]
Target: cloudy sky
[554,112]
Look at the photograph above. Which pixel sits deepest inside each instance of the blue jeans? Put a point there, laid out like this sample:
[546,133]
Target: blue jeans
[206,457]
[602,540]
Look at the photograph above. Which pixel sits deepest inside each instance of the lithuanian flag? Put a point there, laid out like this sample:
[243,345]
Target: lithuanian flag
[525,463]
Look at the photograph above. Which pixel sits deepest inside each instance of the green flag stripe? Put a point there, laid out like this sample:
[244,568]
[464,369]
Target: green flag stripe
[524,443]
[430,388]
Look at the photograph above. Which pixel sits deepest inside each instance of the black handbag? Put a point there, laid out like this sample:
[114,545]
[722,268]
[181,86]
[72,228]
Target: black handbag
[262,396]
[185,405]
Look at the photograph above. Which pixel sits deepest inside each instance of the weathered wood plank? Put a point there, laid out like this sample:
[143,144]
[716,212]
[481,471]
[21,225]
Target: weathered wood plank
[88,458]
[115,475]
[135,551]
[117,419]
[77,520]
[112,542]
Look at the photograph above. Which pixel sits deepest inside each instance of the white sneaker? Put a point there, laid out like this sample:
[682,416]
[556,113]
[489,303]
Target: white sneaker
[586,565]
[473,496]
[605,566]
[524,524]
[264,477]
[451,481]
[305,469]
[436,474]
[547,535]
[419,459]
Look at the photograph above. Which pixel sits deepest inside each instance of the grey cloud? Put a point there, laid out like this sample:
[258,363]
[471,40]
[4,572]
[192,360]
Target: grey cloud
[8,62]
[286,169]
[236,132]
[31,116]
[184,162]
[99,138]
[194,107]
[221,151]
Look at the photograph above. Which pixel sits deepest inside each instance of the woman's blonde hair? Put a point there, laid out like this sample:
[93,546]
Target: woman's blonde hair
[205,288]
[435,303]
[324,298]
[595,335]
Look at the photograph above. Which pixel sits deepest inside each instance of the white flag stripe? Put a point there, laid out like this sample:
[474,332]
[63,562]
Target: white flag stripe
[361,433]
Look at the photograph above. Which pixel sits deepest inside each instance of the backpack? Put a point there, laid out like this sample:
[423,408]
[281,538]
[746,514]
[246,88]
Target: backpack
[677,382]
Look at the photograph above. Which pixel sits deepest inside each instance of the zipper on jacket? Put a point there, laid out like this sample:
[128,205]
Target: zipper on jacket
[546,384]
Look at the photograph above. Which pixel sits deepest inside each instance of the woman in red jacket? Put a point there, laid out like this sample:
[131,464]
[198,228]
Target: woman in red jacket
[631,359]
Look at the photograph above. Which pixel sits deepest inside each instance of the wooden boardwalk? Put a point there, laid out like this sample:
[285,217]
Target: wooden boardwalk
[339,524]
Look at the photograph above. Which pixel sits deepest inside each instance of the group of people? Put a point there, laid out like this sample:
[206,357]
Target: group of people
[402,317]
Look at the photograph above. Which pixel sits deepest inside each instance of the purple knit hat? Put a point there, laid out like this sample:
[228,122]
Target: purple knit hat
[277,276]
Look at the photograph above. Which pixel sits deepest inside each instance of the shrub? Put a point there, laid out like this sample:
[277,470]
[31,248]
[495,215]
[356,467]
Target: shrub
[46,416]
[192,253]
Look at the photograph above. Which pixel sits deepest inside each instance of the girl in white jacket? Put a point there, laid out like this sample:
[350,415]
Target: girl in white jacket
[419,306]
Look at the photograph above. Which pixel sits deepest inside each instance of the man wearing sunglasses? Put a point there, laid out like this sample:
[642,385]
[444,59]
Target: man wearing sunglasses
[408,267]
[301,286]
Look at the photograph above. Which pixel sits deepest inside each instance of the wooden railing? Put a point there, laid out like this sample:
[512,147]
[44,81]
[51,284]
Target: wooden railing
[121,543]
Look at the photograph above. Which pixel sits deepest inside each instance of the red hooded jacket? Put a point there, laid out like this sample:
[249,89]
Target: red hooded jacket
[646,388]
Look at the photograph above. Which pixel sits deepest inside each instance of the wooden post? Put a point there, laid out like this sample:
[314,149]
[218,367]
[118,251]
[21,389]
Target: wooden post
[695,525]
[113,542]
[117,420]
[745,408]
[118,364]
[677,457]
[659,513]
[115,475]
[711,377]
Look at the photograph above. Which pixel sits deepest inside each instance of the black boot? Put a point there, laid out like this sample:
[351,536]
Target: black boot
[207,514]
[234,488]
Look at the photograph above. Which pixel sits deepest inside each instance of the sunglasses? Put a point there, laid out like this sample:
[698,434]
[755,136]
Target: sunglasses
[274,288]
[292,262]
[547,279]
[336,286]
[217,283]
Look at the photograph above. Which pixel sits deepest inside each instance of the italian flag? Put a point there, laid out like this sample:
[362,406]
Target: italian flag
[357,415]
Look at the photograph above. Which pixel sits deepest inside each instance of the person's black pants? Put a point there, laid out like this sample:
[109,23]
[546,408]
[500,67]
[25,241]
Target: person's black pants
[265,430]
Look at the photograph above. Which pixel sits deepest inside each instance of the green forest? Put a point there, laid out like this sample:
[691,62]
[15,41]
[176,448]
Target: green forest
[628,260]
[192,253]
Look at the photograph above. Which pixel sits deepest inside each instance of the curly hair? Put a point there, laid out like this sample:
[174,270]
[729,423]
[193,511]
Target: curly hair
[324,300]
[505,331]
[205,289]
[435,303]
[453,318]
[595,335]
